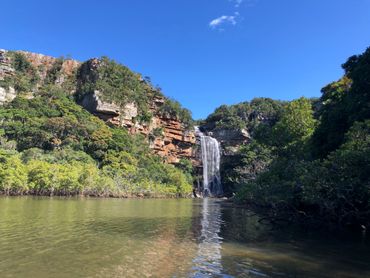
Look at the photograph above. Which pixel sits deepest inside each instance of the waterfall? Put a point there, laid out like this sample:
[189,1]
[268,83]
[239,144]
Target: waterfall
[211,165]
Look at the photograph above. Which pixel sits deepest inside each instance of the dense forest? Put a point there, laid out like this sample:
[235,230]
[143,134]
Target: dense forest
[50,145]
[307,160]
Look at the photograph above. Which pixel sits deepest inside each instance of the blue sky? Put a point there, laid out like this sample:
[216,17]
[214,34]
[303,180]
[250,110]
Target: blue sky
[203,53]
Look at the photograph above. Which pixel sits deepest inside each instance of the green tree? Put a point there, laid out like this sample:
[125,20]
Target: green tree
[13,174]
[295,127]
[343,103]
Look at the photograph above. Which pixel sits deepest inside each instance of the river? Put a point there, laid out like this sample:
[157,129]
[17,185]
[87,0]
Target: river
[57,237]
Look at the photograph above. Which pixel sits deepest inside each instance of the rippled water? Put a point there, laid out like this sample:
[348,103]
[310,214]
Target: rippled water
[44,237]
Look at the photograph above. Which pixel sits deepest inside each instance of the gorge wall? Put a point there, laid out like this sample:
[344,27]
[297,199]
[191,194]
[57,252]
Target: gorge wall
[124,99]
[236,127]
[167,134]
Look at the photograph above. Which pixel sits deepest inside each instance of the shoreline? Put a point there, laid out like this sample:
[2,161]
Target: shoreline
[138,195]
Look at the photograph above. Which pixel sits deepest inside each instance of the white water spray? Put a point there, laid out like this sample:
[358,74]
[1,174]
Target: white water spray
[211,165]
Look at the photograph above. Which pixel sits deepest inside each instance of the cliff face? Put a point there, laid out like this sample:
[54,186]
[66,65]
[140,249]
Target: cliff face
[43,65]
[6,93]
[166,135]
[230,139]
[238,127]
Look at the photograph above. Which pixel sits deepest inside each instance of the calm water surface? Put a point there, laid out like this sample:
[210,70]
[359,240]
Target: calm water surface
[43,237]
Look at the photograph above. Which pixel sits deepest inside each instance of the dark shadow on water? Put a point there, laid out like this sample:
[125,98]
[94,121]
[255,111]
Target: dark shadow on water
[289,251]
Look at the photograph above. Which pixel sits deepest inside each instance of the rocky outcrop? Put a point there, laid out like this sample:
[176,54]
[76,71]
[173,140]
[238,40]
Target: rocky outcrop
[93,103]
[5,66]
[43,65]
[230,139]
[175,142]
[7,94]
[167,136]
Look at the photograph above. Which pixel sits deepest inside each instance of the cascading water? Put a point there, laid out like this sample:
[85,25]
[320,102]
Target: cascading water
[211,165]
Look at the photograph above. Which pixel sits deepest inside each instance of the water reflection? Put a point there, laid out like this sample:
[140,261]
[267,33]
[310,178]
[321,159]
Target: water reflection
[44,237]
[208,260]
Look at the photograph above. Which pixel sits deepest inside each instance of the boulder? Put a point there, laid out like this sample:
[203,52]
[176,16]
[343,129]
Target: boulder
[7,95]
[93,103]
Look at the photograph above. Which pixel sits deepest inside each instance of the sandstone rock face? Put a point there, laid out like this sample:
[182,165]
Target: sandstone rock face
[45,63]
[93,103]
[176,142]
[173,142]
[167,136]
[5,67]
[231,137]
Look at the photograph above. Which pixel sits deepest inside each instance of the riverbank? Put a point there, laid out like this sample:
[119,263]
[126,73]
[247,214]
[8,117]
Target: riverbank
[92,194]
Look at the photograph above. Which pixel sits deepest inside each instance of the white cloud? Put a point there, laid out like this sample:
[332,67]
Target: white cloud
[232,19]
[237,3]
[247,3]
[224,19]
